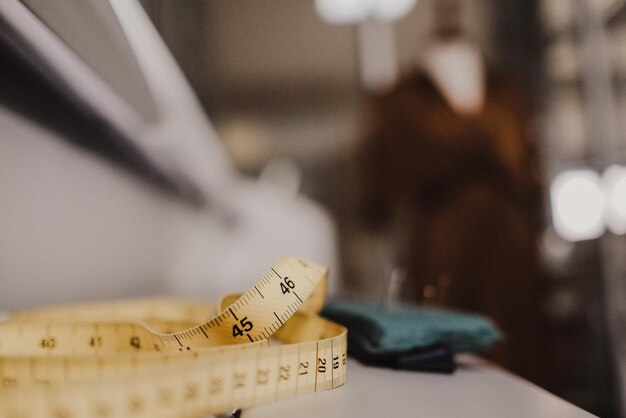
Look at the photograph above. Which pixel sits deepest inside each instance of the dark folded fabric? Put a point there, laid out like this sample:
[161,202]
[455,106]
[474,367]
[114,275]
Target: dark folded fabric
[436,358]
[409,337]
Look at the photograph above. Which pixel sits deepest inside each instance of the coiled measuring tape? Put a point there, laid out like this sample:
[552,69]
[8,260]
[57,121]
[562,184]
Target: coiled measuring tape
[149,358]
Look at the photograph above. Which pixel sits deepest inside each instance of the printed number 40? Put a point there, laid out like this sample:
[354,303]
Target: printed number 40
[287,284]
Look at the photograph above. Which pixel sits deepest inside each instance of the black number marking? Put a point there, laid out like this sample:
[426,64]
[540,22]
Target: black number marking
[8,382]
[286,285]
[95,341]
[321,365]
[284,372]
[335,362]
[244,326]
[262,376]
[240,380]
[48,343]
[216,385]
[135,342]
[191,391]
[304,368]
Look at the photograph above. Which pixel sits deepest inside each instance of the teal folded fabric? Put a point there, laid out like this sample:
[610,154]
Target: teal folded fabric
[378,330]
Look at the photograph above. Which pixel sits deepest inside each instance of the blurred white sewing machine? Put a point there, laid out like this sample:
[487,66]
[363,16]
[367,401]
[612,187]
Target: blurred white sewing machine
[112,181]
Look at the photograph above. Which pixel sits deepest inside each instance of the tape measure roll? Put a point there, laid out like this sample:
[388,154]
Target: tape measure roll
[148,359]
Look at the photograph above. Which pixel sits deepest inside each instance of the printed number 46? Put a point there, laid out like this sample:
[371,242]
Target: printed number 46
[246,326]
[287,284]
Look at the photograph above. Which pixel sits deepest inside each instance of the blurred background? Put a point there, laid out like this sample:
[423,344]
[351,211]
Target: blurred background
[468,154]
[290,87]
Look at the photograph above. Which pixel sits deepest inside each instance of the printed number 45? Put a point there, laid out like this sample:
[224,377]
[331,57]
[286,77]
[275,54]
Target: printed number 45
[287,284]
[243,326]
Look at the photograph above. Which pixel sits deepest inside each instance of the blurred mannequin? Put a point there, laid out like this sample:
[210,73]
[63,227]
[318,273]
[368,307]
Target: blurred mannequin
[448,160]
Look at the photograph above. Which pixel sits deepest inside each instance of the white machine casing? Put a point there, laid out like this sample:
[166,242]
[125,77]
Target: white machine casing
[73,226]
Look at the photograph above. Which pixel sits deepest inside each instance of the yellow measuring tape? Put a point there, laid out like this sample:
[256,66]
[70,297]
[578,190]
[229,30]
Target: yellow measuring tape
[149,358]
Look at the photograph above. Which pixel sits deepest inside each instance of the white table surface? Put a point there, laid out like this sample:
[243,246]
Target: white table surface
[477,389]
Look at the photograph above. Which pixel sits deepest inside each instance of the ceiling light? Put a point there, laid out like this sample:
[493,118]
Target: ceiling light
[389,10]
[353,11]
[615,188]
[343,11]
[577,205]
